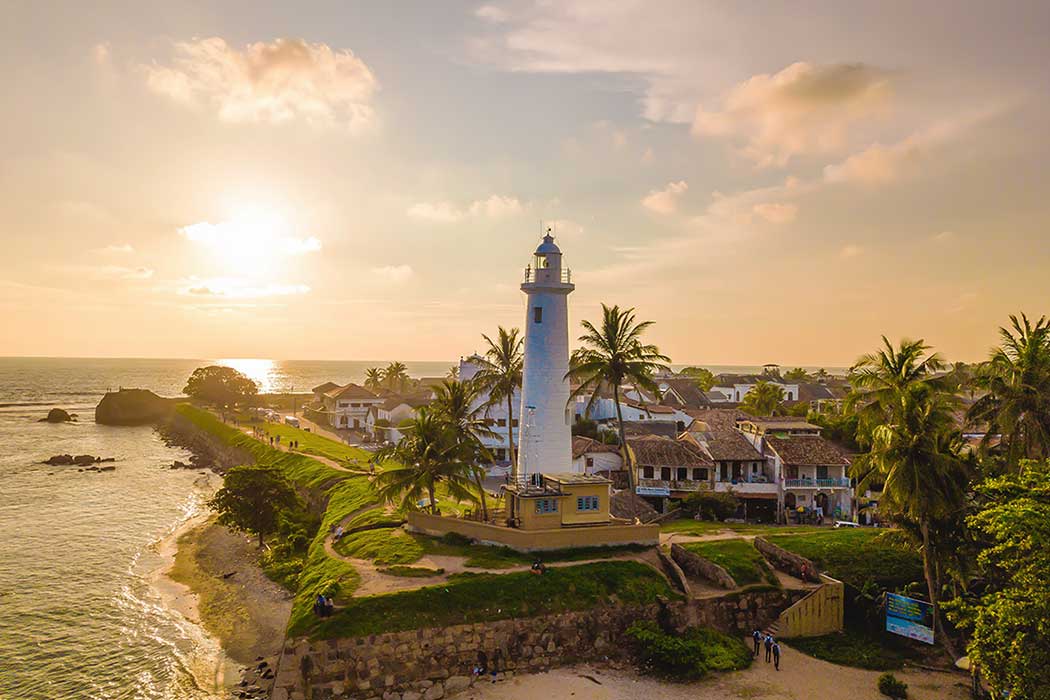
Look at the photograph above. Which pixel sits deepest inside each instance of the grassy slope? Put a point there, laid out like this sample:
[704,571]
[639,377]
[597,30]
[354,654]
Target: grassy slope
[739,557]
[312,443]
[688,526]
[492,597]
[852,648]
[857,555]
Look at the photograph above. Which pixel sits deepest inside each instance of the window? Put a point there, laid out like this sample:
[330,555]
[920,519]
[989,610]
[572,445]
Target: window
[590,462]
[501,422]
[724,468]
[683,474]
[546,505]
[647,472]
[501,454]
[822,472]
[584,503]
[537,314]
[514,423]
[665,473]
[700,474]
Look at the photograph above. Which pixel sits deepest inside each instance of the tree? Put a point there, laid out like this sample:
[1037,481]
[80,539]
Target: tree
[797,375]
[500,375]
[453,372]
[914,446]
[703,377]
[1017,381]
[460,404]
[1010,621]
[429,454]
[395,376]
[764,399]
[611,356]
[220,385]
[252,498]
[374,378]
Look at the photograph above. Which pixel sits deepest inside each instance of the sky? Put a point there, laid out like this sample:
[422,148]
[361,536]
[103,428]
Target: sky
[766,181]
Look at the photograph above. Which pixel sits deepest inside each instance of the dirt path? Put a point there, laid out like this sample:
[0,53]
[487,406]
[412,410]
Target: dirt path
[801,678]
[323,460]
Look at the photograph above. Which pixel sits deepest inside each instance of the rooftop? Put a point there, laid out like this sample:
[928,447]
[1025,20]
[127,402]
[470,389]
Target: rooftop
[806,451]
[350,391]
[584,445]
[658,451]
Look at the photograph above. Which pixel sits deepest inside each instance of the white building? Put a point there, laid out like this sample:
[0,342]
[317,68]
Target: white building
[348,406]
[499,421]
[735,392]
[546,442]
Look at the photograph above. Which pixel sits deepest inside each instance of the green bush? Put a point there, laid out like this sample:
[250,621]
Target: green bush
[739,558]
[455,539]
[688,657]
[710,505]
[889,685]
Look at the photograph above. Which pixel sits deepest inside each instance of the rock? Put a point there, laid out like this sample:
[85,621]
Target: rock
[434,692]
[85,460]
[457,683]
[57,415]
[181,465]
[133,407]
[58,460]
[107,469]
[410,695]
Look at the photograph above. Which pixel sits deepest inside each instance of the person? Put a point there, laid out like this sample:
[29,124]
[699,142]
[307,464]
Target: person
[756,636]
[338,533]
[319,605]
[271,441]
[496,656]
[481,666]
[329,606]
[769,648]
[538,567]
[820,515]
[804,573]
[776,655]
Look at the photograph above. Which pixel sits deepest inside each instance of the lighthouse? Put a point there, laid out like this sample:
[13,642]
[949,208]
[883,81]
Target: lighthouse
[545,445]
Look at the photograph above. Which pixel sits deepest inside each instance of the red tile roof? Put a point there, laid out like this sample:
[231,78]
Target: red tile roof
[807,450]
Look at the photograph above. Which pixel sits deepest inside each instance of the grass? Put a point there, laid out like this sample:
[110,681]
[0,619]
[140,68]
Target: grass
[488,597]
[688,656]
[688,526]
[411,571]
[856,556]
[315,444]
[385,546]
[852,648]
[739,558]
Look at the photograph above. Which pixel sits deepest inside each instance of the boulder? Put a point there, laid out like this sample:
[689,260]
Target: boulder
[133,407]
[57,415]
[59,460]
[85,460]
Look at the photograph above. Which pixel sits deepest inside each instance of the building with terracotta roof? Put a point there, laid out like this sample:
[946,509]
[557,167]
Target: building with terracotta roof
[591,457]
[669,468]
[348,406]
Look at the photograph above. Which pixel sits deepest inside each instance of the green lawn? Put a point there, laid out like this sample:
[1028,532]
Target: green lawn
[688,526]
[852,648]
[488,597]
[739,557]
[857,555]
[315,444]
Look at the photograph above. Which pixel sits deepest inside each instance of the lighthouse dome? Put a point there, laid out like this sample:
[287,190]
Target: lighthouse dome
[548,246]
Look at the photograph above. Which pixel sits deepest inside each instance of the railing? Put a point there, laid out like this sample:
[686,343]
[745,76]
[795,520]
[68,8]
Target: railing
[530,276]
[671,484]
[837,482]
[533,483]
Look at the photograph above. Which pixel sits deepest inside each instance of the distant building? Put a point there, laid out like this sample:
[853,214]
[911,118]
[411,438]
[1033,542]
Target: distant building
[590,456]
[348,406]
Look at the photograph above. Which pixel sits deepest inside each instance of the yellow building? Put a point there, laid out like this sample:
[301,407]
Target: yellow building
[546,501]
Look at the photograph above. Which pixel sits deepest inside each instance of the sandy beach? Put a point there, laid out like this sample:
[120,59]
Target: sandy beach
[800,678]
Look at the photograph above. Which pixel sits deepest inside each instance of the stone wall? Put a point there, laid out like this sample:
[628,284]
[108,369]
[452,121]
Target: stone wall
[609,535]
[431,663]
[696,565]
[786,561]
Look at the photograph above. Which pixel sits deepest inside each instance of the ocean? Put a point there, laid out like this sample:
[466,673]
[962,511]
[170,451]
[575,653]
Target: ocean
[80,615]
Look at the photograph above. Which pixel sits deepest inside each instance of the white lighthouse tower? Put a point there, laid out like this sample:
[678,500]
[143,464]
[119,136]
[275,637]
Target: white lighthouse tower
[546,441]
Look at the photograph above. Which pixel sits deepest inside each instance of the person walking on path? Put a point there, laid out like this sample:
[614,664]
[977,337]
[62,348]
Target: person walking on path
[769,648]
[776,655]
[756,637]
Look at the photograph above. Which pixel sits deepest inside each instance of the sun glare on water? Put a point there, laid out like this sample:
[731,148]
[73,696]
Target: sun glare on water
[262,372]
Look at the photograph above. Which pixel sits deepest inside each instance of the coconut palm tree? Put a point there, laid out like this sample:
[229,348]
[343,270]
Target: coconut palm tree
[429,454]
[395,376]
[500,375]
[613,355]
[460,404]
[1017,380]
[915,456]
[374,378]
[764,399]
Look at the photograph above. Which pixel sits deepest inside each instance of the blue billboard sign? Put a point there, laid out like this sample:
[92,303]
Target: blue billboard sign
[909,617]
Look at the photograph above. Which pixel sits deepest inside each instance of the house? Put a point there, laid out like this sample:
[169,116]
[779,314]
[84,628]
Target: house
[497,414]
[383,419]
[321,389]
[590,456]
[550,501]
[682,392]
[633,410]
[668,468]
[348,406]
[734,387]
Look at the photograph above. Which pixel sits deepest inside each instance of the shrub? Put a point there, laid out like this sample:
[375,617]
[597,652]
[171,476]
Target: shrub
[889,685]
[687,657]
[455,539]
[710,505]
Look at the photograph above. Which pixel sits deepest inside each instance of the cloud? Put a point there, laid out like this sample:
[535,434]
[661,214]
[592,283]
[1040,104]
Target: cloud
[395,274]
[665,201]
[775,212]
[491,13]
[802,109]
[236,288]
[566,228]
[850,251]
[250,233]
[443,212]
[269,82]
[106,272]
[121,248]
[944,236]
[100,53]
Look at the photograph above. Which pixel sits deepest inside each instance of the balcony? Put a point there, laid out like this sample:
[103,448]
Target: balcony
[834,483]
[534,275]
[651,486]
[746,486]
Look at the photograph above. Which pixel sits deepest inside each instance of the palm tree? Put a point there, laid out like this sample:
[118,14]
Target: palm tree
[429,454]
[395,376]
[915,456]
[764,399]
[1017,379]
[879,379]
[374,378]
[500,375]
[460,404]
[611,356]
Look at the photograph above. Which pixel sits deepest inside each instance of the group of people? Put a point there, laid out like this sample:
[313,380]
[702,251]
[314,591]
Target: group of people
[772,647]
[483,666]
[275,440]
[324,606]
